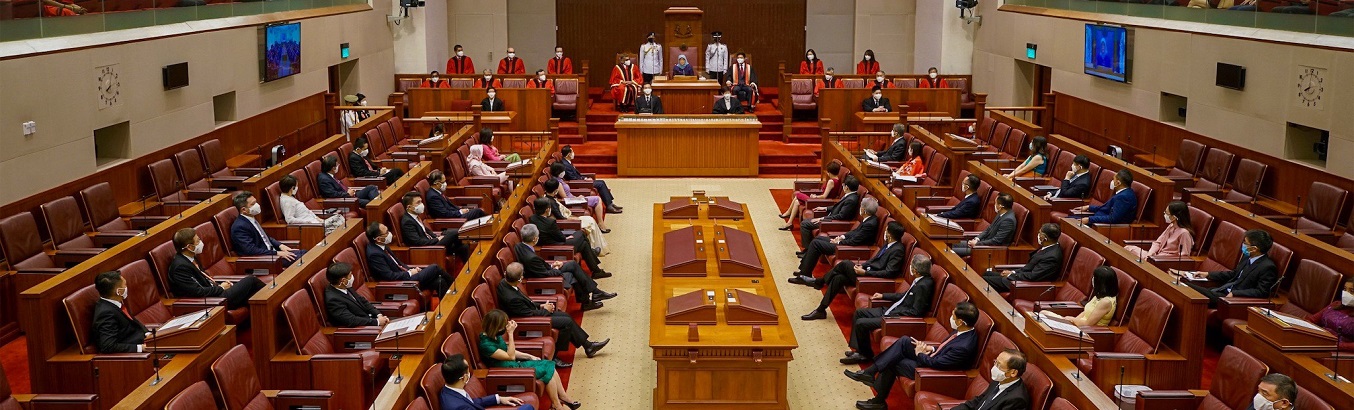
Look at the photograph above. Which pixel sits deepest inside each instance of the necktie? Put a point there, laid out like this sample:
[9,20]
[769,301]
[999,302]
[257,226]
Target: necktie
[125,312]
[947,340]
[898,303]
[392,258]
[881,252]
[340,183]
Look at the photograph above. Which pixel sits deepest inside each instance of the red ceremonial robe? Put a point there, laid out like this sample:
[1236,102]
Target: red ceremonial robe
[624,94]
[460,65]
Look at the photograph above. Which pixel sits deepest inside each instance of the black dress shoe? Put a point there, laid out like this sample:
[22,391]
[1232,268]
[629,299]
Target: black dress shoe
[618,206]
[854,358]
[573,405]
[606,231]
[798,280]
[799,254]
[814,315]
[871,405]
[613,210]
[601,275]
[600,296]
[849,352]
[559,364]
[594,305]
[816,283]
[592,348]
[785,228]
[860,377]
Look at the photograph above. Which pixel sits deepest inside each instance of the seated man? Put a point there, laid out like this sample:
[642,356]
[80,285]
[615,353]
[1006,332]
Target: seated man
[845,209]
[490,102]
[971,206]
[188,280]
[541,81]
[906,355]
[552,235]
[383,265]
[1006,391]
[488,81]
[1254,277]
[513,300]
[876,102]
[585,291]
[456,373]
[916,302]
[1001,232]
[359,166]
[897,150]
[115,330]
[887,263]
[346,308]
[414,233]
[728,104]
[828,81]
[863,235]
[1043,266]
[1275,391]
[435,80]
[247,236]
[1077,182]
[1119,209]
[330,186]
[571,174]
[647,103]
[743,81]
[438,204]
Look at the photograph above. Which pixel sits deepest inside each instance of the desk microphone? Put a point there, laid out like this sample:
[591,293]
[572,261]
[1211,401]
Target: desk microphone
[1120,387]
[154,356]
[1333,375]
[398,376]
[1080,342]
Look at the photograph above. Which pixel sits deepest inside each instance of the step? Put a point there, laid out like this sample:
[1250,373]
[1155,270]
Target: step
[804,139]
[787,169]
[601,135]
[571,139]
[599,169]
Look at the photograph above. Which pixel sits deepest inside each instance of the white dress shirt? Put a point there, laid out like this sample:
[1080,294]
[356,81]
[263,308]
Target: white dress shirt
[651,58]
[716,57]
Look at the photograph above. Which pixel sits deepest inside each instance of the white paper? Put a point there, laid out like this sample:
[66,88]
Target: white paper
[575,200]
[182,321]
[1062,326]
[1293,321]
[904,178]
[404,325]
[944,221]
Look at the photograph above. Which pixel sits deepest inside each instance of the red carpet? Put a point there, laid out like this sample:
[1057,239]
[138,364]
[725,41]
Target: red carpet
[14,359]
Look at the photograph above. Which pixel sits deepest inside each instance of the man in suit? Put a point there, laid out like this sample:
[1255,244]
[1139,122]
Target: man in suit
[188,280]
[552,235]
[904,357]
[346,308]
[1001,232]
[331,187]
[728,104]
[247,236]
[897,150]
[1275,391]
[1254,277]
[1043,266]
[490,101]
[115,330]
[972,204]
[383,265]
[916,302]
[647,103]
[876,102]
[439,206]
[571,174]
[414,233]
[1119,209]
[1007,391]
[1077,182]
[361,167]
[845,209]
[455,375]
[585,288]
[865,234]
[515,302]
[887,263]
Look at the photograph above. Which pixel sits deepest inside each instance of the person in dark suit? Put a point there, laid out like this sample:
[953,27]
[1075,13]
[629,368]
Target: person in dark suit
[916,302]
[865,234]
[438,204]
[115,330]
[513,300]
[1119,209]
[331,187]
[552,235]
[1043,266]
[585,288]
[383,265]
[1275,391]
[1001,232]
[887,263]
[904,357]
[344,307]
[897,150]
[876,102]
[647,103]
[247,236]
[845,209]
[728,104]
[188,280]
[1007,391]
[455,374]
[490,101]
[1254,277]
[1077,182]
[972,204]
[571,174]
[360,166]
[414,233]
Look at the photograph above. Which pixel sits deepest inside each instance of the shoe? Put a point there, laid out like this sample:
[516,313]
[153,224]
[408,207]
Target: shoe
[798,280]
[871,405]
[816,283]
[573,405]
[560,364]
[594,305]
[786,228]
[854,358]
[849,352]
[592,348]
[606,231]
[814,315]
[613,210]
[860,377]
[618,206]
[601,275]
[600,296]
[799,254]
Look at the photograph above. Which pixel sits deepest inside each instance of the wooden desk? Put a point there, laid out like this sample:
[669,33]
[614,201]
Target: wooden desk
[686,97]
[1162,188]
[841,104]
[1305,370]
[1303,246]
[687,145]
[177,374]
[726,366]
[877,121]
[531,104]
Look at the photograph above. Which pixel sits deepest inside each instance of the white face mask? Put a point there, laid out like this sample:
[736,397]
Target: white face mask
[932,75]
[879,79]
[491,95]
[460,54]
[512,55]
[255,210]
[197,249]
[442,186]
[294,191]
[648,91]
[810,56]
[868,58]
[559,54]
[435,79]
[362,153]
[390,237]
[1347,298]
[996,373]
[627,63]
[955,323]
[828,77]
[121,292]
[740,61]
[542,77]
[350,281]
[418,209]
[363,102]
[488,77]
[877,95]
[1261,403]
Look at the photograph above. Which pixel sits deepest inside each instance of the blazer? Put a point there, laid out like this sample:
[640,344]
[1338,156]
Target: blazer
[845,209]
[247,241]
[360,167]
[516,304]
[414,232]
[958,354]
[570,171]
[330,187]
[722,108]
[918,303]
[895,152]
[1120,209]
[887,263]
[1013,398]
[187,281]
[439,206]
[1249,279]
[496,105]
[1001,232]
[648,104]
[550,232]
[115,331]
[869,104]
[451,400]
[968,208]
[1077,187]
[348,309]
[535,267]
[383,266]
[864,234]
[1043,266]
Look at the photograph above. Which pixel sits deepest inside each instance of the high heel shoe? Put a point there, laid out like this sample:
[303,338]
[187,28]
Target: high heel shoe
[785,228]
[574,405]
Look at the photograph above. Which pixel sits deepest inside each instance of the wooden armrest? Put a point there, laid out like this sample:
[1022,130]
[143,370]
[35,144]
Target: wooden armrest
[1065,205]
[1103,337]
[202,194]
[1168,399]
[1323,235]
[948,383]
[446,223]
[183,306]
[108,239]
[146,222]
[465,200]
[835,226]
[397,291]
[807,186]
[556,252]
[364,181]
[569,224]
[230,182]
[247,171]
[482,180]
[868,285]
[509,380]
[1236,307]
[545,286]
[1176,262]
[72,257]
[931,201]
[355,339]
[853,252]
[1033,291]
[426,255]
[1010,266]
[260,265]
[533,327]
[349,204]
[903,326]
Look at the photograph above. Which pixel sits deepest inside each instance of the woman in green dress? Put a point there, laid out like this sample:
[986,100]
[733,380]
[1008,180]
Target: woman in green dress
[498,349]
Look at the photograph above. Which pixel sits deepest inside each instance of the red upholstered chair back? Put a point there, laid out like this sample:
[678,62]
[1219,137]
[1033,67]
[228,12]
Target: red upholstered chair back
[422,187]
[360,277]
[419,403]
[343,151]
[1235,380]
[1246,182]
[1069,246]
[1190,156]
[312,172]
[387,134]
[505,256]
[958,191]
[472,324]
[566,94]
[222,220]
[23,246]
[237,382]
[492,277]
[304,192]
[374,142]
[1022,217]
[1079,275]
[1144,195]
[905,82]
[510,241]
[1310,401]
[1015,143]
[1100,191]
[484,300]
[1128,286]
[1215,169]
[164,178]
[315,287]
[965,94]
[801,94]
[189,164]
[1201,227]
[303,320]
[1225,248]
[1000,132]
[100,208]
[1146,325]
[996,343]
[1061,163]
[143,295]
[1060,403]
[360,248]
[853,83]
[949,299]
[65,225]
[430,385]
[985,129]
[271,201]
[460,105]
[514,83]
[1282,257]
[159,258]
[1038,385]
[941,279]
[80,309]
[938,169]
[984,328]
[1324,204]
[213,156]
[1314,287]
[455,344]
[397,125]
[213,256]
[196,396]
[393,215]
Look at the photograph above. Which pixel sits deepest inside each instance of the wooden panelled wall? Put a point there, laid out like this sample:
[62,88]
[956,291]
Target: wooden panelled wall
[595,30]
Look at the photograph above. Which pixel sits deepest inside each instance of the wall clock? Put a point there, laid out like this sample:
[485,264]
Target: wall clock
[109,86]
[1311,86]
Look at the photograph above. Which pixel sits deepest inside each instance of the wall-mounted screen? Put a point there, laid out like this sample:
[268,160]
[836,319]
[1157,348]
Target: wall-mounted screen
[279,51]
[1109,52]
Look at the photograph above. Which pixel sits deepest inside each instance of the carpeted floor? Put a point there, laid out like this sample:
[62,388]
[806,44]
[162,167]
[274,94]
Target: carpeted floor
[14,360]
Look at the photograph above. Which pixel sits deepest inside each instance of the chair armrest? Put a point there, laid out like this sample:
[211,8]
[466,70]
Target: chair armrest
[1007,266]
[1061,307]
[556,252]
[1168,399]
[808,186]
[426,255]
[854,252]
[1139,243]
[72,257]
[948,383]
[355,339]
[903,326]
[580,184]
[1065,205]
[443,224]
[260,265]
[536,347]
[349,204]
[1033,291]
[146,222]
[247,171]
[509,380]
[817,202]
[1236,307]
[292,399]
[533,327]
[483,180]
[108,239]
[183,306]
[58,401]
[835,226]
[465,200]
[931,201]
[1323,235]
[569,224]
[545,286]
[202,194]
[1216,193]
[228,182]
[364,181]
[1176,262]
[867,285]
[397,291]
[403,155]
[1181,182]
[1103,337]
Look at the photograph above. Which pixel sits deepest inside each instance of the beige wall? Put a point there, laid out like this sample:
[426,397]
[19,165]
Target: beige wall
[830,31]
[57,91]
[481,26]
[421,37]
[888,28]
[1181,64]
[943,40]
[531,31]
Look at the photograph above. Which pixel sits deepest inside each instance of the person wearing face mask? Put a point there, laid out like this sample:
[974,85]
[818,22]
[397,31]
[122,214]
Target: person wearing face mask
[361,167]
[1121,208]
[456,372]
[541,81]
[881,80]
[829,80]
[571,174]
[585,288]
[1001,232]
[876,102]
[625,84]
[385,267]
[1044,265]
[1036,164]
[970,206]
[460,63]
[115,329]
[187,279]
[1076,183]
[439,207]
[726,103]
[1275,391]
[511,64]
[914,167]
[1099,310]
[513,299]
[488,81]
[564,192]
[552,235]
[811,64]
[294,212]
[559,64]
[1175,241]
[847,208]
[491,103]
[435,80]
[904,357]
[650,58]
[247,236]
[331,187]
[1254,276]
[474,164]
[1339,316]
[683,68]
[351,117]
[932,80]
[1007,391]
[896,151]
[916,302]
[414,233]
[647,103]
[864,234]
[716,57]
[887,263]
[498,347]
[867,65]
[490,151]
[344,307]
[743,81]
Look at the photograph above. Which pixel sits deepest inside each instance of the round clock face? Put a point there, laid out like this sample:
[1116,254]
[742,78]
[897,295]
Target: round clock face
[1311,85]
[109,86]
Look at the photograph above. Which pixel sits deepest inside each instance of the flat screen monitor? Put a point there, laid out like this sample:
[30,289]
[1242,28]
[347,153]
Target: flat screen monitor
[1109,52]
[1231,76]
[279,51]
[175,76]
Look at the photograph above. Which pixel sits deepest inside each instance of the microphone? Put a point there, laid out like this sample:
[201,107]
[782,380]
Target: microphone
[1154,156]
[1335,370]
[1121,381]
[145,199]
[396,357]
[1080,334]
[154,357]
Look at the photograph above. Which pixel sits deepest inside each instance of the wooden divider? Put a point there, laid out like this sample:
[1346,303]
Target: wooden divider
[403,81]
[532,105]
[256,184]
[1017,123]
[177,374]
[958,155]
[361,127]
[1303,246]
[842,104]
[1162,188]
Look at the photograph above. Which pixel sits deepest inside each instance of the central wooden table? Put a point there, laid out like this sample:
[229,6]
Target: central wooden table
[686,96]
[725,368]
[687,145]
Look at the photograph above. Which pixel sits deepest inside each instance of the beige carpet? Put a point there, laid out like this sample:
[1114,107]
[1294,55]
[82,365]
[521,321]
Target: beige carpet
[623,375]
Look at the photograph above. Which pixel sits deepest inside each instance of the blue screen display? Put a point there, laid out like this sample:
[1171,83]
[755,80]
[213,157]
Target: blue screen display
[281,51]
[1107,52]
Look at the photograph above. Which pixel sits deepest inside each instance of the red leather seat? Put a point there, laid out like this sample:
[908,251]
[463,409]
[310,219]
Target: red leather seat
[931,399]
[1308,400]
[419,403]
[566,95]
[169,188]
[540,325]
[1201,226]
[1146,327]
[392,291]
[472,324]
[1100,192]
[985,130]
[319,281]
[1233,385]
[23,248]
[195,397]
[143,296]
[48,401]
[1324,204]
[1060,403]
[431,384]
[520,382]
[189,165]
[492,277]
[303,322]
[801,94]
[1314,286]
[214,161]
[1078,277]
[1250,174]
[936,330]
[100,208]
[551,286]
[238,384]
[1225,249]
[382,295]
[1188,159]
[1216,168]
[65,224]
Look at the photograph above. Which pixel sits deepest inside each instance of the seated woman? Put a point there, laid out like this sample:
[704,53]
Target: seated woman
[1104,297]
[914,167]
[295,212]
[1176,240]
[475,164]
[564,192]
[1037,163]
[831,189]
[587,223]
[1339,316]
[683,67]
[491,152]
[497,348]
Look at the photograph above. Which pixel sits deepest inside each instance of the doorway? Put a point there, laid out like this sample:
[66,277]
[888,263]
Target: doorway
[343,78]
